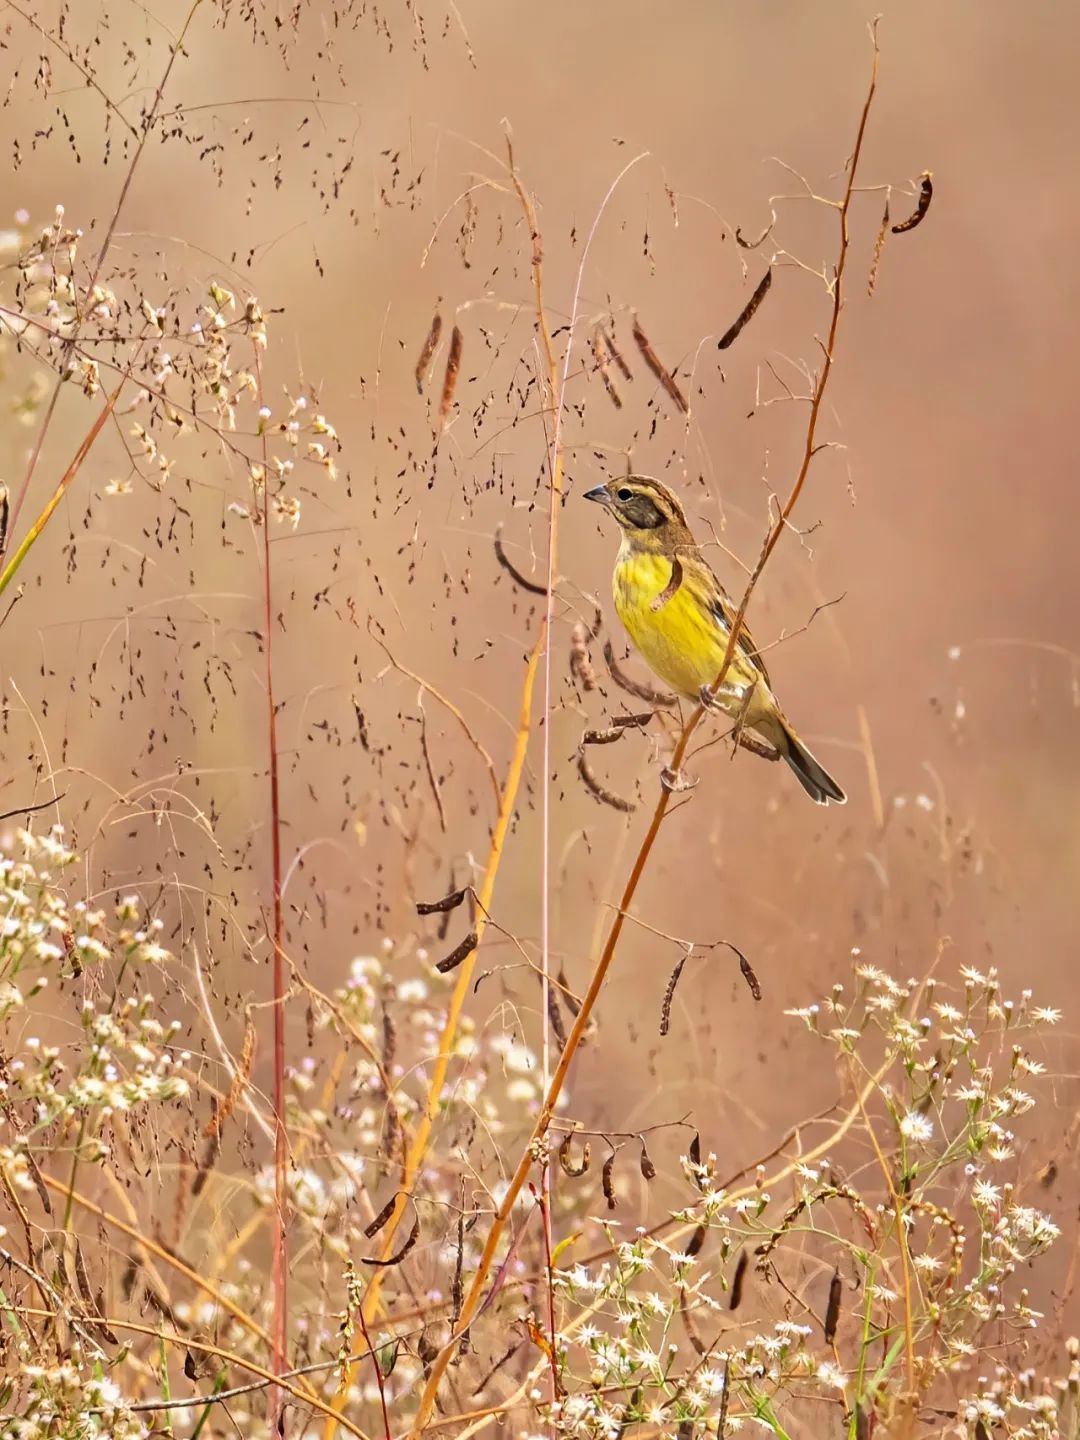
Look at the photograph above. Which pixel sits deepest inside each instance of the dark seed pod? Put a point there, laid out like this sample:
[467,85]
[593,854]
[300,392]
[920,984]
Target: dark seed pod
[737,1280]
[659,369]
[602,793]
[832,1312]
[926,194]
[747,313]
[669,995]
[607,1182]
[642,691]
[514,573]
[572,1003]
[567,1165]
[555,1016]
[610,347]
[749,976]
[427,352]
[602,366]
[381,1218]
[414,1235]
[453,365]
[436,907]
[459,953]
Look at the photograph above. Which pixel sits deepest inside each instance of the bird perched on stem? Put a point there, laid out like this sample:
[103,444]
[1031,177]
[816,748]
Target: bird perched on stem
[679,617]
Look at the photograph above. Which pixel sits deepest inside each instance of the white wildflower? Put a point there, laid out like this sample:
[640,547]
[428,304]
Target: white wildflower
[916,1127]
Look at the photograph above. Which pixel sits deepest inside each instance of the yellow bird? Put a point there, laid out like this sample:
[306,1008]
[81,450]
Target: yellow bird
[679,617]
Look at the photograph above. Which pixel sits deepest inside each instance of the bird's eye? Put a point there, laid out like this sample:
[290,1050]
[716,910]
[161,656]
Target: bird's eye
[625,494]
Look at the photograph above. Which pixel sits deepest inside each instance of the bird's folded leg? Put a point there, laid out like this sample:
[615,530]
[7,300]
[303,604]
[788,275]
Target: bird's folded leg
[675,781]
[757,746]
[740,719]
[731,699]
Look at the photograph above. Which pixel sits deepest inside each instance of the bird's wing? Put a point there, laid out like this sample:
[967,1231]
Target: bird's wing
[725,610]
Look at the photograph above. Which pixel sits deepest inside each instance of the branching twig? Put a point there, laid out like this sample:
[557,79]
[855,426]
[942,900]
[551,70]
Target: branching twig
[31,809]
[596,983]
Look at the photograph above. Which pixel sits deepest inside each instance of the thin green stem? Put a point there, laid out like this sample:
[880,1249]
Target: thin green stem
[219,1385]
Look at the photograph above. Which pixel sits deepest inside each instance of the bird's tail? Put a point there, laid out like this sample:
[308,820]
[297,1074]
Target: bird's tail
[810,773]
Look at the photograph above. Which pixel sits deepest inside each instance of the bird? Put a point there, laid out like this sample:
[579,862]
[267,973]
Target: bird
[679,617]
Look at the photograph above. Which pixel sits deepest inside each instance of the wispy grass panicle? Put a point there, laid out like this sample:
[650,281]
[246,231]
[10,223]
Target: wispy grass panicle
[332,1098]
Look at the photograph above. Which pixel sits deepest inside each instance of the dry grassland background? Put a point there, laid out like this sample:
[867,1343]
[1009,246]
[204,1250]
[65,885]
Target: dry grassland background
[349,168]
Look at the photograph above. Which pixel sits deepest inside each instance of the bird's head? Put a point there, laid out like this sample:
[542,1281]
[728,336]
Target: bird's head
[648,512]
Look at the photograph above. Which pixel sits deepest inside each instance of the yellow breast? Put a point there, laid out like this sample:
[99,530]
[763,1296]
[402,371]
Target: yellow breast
[681,640]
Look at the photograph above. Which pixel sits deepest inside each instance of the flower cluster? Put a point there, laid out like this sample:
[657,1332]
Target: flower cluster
[66,1401]
[194,362]
[125,1057]
[927,1249]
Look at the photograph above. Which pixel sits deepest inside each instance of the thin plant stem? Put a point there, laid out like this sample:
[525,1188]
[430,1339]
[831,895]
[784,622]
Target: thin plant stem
[378,1372]
[165,1256]
[902,1246]
[418,1149]
[557,385]
[596,983]
[279,1325]
[545,1208]
[219,1386]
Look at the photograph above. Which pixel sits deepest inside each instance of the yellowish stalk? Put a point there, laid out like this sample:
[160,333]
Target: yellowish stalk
[10,569]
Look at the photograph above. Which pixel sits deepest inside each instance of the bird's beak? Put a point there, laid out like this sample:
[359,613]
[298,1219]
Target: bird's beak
[599,494]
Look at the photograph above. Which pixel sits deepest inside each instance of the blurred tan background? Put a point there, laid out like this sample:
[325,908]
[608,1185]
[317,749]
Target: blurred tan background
[948,523]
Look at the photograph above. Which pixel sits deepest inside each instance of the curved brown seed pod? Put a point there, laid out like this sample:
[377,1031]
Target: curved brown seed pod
[749,310]
[427,352]
[607,1182]
[926,194]
[832,1313]
[566,1164]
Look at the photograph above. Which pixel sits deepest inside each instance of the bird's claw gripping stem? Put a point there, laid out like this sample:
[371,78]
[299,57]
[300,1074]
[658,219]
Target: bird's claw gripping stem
[675,781]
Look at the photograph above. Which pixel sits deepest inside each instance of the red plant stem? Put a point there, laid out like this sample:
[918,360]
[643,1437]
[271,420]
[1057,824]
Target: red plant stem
[378,1372]
[545,1210]
[279,1328]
